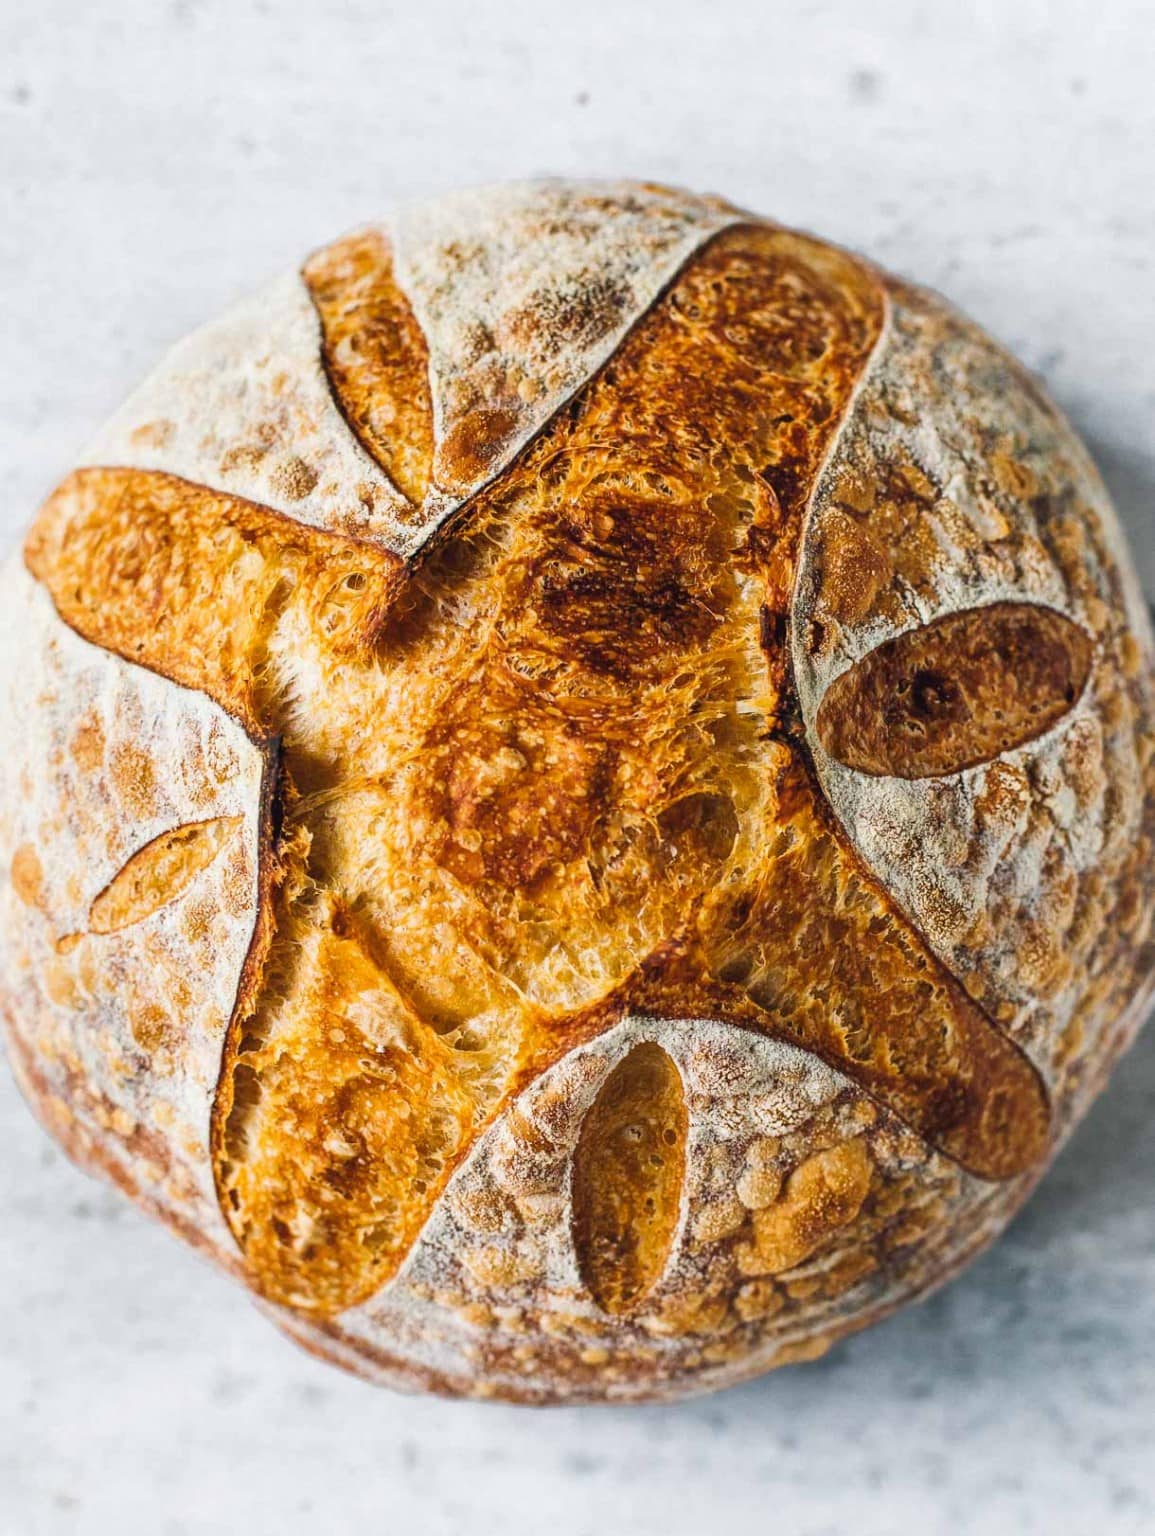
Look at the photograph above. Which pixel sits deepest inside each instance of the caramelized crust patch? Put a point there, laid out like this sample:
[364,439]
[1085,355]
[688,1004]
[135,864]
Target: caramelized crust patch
[192,583]
[814,943]
[627,1178]
[370,1102]
[554,774]
[376,357]
[957,692]
[823,1194]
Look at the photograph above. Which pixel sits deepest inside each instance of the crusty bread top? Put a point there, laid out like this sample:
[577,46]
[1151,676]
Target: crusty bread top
[618,597]
[509,299]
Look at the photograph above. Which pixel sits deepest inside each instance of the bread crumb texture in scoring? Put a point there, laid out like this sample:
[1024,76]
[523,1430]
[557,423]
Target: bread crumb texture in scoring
[581,795]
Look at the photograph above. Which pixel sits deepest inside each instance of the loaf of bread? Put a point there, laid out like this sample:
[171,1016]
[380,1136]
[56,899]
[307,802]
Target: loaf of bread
[578,803]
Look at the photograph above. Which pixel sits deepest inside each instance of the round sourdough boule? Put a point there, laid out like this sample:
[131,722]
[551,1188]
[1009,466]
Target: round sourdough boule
[579,796]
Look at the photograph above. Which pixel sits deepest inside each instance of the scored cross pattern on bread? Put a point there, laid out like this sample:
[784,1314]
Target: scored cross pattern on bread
[555,745]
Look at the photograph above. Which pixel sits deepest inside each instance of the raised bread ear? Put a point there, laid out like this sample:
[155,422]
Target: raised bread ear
[957,692]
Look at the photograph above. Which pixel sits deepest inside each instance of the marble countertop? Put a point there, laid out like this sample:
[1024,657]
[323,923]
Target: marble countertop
[160,157]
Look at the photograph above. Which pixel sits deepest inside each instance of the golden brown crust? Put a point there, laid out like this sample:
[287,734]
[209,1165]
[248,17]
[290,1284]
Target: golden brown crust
[666,552]
[604,598]
[583,1032]
[832,963]
[523,292]
[628,1171]
[190,582]
[375,356]
[958,692]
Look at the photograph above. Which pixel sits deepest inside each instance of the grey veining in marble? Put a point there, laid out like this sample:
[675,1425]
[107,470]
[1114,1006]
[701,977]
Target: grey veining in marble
[159,157]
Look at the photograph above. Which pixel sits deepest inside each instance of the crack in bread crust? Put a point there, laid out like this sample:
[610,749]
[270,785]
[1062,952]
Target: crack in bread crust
[554,773]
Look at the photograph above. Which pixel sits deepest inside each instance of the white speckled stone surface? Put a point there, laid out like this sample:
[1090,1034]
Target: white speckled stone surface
[157,160]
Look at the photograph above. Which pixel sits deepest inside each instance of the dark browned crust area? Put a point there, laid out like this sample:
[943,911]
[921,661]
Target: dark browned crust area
[568,747]
[375,357]
[957,692]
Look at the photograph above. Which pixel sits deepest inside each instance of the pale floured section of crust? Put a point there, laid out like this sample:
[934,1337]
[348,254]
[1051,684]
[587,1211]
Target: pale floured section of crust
[116,1000]
[766,1265]
[523,292]
[243,405]
[956,484]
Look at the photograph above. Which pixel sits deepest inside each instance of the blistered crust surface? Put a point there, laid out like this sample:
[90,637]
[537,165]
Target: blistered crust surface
[804,1209]
[955,484]
[124,946]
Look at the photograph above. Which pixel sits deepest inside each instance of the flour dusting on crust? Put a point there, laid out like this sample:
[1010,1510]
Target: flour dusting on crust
[117,1010]
[491,1301]
[523,292]
[243,406]
[572,1024]
[956,485]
